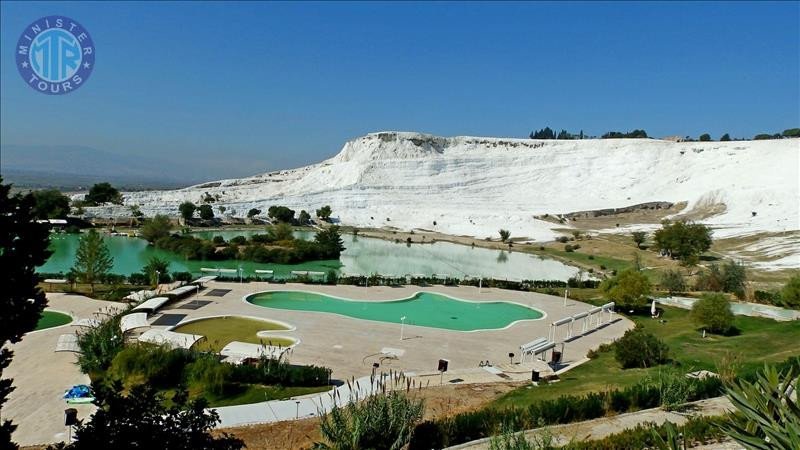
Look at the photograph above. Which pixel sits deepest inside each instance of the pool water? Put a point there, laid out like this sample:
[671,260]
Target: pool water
[424,309]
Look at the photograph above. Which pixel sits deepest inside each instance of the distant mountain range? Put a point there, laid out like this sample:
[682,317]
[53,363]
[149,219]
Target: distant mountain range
[76,167]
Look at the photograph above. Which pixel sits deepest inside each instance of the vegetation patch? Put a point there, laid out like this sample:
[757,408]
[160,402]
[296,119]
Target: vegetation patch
[52,319]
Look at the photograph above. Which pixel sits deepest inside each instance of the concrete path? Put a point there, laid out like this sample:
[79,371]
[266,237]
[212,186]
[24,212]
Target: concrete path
[605,426]
[41,375]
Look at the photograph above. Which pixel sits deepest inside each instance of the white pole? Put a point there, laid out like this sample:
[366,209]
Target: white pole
[565,298]
[402,325]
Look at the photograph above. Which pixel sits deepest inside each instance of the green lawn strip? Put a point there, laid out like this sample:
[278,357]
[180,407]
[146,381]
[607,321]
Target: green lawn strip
[254,393]
[760,340]
[52,319]
[220,331]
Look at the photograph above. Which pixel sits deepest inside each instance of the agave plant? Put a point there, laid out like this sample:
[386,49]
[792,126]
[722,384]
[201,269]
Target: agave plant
[674,439]
[767,415]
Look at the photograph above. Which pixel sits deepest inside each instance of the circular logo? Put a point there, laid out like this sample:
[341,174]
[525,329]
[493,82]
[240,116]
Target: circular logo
[55,55]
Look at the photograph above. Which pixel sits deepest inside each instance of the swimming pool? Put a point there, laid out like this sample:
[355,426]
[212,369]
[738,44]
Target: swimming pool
[425,309]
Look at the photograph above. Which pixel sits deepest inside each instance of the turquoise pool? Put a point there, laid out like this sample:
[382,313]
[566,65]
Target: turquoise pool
[425,309]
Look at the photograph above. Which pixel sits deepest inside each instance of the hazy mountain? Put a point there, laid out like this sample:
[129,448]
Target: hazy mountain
[75,167]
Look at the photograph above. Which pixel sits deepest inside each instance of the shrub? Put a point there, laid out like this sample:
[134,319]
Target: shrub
[628,289]
[156,228]
[638,348]
[156,365]
[562,239]
[99,345]
[504,235]
[215,376]
[713,313]
[182,276]
[241,240]
[384,421]
[673,281]
[790,294]
[219,240]
[569,249]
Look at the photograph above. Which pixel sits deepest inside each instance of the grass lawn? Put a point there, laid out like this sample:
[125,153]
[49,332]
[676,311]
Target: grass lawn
[52,319]
[254,393]
[759,341]
[219,331]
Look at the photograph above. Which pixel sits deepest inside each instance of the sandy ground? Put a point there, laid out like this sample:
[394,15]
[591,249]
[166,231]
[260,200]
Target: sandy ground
[41,376]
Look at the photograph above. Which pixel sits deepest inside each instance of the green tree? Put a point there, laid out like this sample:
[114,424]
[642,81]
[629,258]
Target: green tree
[324,213]
[791,132]
[92,259]
[23,247]
[50,204]
[790,294]
[504,235]
[713,313]
[734,278]
[206,212]
[673,281]
[253,212]
[767,413]
[330,240]
[725,137]
[141,420]
[639,237]
[156,228]
[187,210]
[281,214]
[136,211]
[638,348]
[682,240]
[705,137]
[156,270]
[380,422]
[280,232]
[304,217]
[628,289]
[103,193]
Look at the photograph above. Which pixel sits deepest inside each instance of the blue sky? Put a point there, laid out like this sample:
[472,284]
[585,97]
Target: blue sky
[240,88]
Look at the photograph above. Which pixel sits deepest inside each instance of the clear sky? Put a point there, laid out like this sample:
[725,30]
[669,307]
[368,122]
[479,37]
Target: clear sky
[241,88]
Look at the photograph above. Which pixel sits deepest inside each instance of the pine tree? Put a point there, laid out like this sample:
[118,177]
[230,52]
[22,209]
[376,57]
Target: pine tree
[92,260]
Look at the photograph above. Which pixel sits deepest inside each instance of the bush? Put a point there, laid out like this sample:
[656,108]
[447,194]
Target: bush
[638,348]
[155,365]
[562,239]
[569,249]
[156,228]
[673,282]
[628,289]
[215,376]
[99,345]
[790,294]
[713,313]
[380,422]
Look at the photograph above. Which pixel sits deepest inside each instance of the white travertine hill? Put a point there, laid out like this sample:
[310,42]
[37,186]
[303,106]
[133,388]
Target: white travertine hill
[476,185]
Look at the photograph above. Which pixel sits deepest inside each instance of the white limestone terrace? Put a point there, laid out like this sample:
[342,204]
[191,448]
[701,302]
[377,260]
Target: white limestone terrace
[475,185]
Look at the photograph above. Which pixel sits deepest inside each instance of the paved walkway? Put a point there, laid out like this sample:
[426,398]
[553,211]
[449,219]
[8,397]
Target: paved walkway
[41,375]
[600,428]
[351,346]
